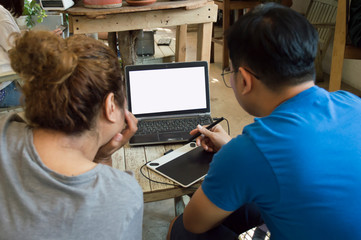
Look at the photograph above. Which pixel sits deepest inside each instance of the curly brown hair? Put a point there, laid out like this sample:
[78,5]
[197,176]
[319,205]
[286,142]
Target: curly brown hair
[66,80]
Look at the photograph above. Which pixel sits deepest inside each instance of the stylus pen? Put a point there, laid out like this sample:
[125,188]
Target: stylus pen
[208,127]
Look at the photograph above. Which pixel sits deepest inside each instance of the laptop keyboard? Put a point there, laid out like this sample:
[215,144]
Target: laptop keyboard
[171,125]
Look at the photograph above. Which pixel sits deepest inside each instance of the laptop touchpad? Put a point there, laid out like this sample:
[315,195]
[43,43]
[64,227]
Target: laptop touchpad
[144,138]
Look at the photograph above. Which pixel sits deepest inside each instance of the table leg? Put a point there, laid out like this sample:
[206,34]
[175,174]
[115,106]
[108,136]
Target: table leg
[181,43]
[204,39]
[70,26]
[212,47]
[126,41]
[178,205]
[112,41]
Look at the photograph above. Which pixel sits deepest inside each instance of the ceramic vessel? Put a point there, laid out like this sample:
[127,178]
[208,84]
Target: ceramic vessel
[140,2]
[102,3]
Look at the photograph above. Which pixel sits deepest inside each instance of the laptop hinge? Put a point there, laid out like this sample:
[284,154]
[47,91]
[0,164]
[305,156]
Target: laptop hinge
[174,116]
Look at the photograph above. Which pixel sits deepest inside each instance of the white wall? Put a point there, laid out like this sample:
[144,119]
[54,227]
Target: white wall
[351,68]
[351,73]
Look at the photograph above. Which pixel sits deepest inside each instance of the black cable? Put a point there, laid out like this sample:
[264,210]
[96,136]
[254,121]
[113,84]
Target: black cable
[228,129]
[171,184]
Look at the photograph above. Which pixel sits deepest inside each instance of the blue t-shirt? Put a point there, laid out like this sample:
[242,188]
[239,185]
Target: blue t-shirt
[301,166]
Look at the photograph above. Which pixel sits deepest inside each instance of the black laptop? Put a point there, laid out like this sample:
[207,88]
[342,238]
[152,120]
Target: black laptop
[168,99]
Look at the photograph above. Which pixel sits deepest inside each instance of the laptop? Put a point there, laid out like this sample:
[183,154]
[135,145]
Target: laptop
[168,99]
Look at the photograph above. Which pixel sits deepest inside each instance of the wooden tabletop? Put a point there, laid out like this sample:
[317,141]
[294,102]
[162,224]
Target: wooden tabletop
[80,10]
[133,158]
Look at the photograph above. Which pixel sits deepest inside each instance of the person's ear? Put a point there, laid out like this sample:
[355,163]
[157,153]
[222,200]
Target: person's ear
[247,80]
[110,108]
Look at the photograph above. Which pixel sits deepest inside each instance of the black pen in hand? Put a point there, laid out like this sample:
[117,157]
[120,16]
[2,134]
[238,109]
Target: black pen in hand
[210,126]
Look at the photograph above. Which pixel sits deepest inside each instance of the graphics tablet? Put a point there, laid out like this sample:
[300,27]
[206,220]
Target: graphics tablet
[184,166]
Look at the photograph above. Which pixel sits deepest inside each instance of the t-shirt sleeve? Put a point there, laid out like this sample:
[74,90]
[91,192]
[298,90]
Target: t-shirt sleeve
[240,174]
[6,29]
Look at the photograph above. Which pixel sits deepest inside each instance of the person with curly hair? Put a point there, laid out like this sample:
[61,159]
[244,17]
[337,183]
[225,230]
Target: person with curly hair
[52,185]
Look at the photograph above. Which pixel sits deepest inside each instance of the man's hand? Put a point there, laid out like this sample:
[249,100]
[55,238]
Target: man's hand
[119,140]
[211,140]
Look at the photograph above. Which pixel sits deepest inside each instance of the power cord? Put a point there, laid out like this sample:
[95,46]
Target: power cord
[170,184]
[228,129]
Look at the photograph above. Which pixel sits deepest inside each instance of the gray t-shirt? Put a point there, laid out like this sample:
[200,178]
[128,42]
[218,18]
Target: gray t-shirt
[38,203]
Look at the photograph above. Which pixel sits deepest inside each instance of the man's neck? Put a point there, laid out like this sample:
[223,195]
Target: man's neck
[270,100]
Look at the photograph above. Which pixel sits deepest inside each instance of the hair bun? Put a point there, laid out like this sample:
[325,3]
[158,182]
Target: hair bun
[66,80]
[42,56]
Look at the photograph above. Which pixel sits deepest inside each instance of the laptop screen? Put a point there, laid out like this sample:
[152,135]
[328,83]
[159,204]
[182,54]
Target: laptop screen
[172,88]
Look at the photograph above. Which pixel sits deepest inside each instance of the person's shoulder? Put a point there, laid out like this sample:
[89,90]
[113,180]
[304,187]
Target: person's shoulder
[343,102]
[346,96]
[113,173]
[241,147]
[14,134]
[239,140]
[337,96]
[2,9]
[4,13]
[120,187]
[7,120]
[120,179]
[7,21]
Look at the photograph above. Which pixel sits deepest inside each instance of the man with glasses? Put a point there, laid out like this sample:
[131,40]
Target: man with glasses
[298,166]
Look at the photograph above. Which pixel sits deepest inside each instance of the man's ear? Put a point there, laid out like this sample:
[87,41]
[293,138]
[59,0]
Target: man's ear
[247,80]
[109,108]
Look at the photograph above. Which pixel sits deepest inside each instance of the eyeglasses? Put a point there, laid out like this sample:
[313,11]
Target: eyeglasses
[250,72]
[224,80]
[228,72]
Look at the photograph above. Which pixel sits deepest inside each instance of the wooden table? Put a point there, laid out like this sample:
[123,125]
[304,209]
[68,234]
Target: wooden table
[126,19]
[133,158]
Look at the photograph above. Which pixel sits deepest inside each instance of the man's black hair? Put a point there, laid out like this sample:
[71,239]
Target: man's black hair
[278,44]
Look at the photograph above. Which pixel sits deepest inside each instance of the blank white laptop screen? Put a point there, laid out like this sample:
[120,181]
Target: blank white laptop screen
[165,90]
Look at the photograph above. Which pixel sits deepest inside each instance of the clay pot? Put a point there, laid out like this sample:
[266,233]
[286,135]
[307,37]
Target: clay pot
[140,2]
[102,3]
